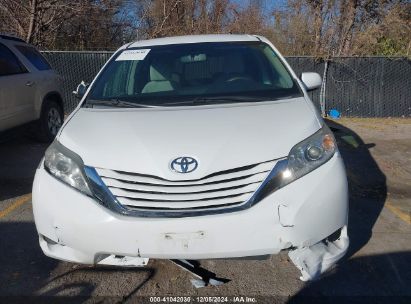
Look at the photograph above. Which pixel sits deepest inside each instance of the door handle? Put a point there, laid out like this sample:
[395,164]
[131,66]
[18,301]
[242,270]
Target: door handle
[29,83]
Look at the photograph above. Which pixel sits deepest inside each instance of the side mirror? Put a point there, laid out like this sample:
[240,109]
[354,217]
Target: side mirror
[311,80]
[81,90]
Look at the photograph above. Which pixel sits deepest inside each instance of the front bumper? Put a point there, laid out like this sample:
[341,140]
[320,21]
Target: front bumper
[76,228]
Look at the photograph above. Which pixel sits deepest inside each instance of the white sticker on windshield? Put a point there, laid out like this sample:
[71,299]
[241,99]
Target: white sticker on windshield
[133,55]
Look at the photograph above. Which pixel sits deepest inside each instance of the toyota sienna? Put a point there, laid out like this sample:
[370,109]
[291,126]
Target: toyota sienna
[195,147]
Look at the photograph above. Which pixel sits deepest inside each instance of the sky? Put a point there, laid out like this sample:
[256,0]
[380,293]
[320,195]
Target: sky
[269,4]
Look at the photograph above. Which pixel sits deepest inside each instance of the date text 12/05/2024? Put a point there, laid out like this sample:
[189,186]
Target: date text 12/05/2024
[188,299]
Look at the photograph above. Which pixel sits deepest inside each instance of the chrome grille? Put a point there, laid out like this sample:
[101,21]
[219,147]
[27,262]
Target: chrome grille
[218,190]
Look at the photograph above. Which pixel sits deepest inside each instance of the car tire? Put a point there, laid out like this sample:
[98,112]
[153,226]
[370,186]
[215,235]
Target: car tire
[51,119]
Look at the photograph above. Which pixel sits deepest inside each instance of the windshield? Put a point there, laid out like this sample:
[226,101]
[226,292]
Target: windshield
[193,74]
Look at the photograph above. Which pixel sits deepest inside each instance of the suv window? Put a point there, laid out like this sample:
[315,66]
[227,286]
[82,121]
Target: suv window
[9,64]
[34,57]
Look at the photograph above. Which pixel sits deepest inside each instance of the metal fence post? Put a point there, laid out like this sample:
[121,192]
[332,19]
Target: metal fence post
[323,89]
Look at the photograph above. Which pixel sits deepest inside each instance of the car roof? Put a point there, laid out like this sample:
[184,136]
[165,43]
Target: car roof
[12,41]
[191,39]
[12,38]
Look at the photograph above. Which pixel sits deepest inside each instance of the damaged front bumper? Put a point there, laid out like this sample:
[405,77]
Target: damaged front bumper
[75,228]
[314,260]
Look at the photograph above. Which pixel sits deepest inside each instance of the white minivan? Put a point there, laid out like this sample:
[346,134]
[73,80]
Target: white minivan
[195,147]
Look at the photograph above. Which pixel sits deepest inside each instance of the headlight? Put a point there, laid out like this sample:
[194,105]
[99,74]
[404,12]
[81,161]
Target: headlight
[303,158]
[66,166]
[310,154]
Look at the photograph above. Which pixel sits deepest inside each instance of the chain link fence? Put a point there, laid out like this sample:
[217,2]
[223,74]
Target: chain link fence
[355,86]
[75,67]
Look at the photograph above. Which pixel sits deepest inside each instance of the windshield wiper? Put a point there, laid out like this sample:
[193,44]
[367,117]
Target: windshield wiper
[118,103]
[218,99]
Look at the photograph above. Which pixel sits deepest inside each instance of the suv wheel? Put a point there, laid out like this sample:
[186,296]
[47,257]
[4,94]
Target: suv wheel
[51,119]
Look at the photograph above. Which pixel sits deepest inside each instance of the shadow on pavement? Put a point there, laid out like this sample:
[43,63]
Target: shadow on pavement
[367,186]
[384,278]
[19,158]
[26,272]
[24,267]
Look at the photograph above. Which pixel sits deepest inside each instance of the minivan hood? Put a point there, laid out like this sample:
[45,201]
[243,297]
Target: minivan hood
[146,140]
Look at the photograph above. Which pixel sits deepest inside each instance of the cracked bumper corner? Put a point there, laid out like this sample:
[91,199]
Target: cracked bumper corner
[314,260]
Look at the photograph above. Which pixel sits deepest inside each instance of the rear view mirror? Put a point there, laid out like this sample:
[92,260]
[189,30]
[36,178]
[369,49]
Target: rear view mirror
[311,80]
[81,90]
[193,58]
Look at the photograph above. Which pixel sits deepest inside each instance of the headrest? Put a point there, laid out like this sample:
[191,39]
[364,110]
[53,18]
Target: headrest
[160,71]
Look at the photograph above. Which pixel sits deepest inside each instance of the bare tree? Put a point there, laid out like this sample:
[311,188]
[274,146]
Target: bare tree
[33,20]
[300,27]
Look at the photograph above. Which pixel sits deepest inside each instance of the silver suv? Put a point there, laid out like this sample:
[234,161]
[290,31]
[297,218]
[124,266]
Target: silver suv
[29,89]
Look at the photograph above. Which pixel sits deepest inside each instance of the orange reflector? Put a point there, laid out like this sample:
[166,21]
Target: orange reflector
[328,142]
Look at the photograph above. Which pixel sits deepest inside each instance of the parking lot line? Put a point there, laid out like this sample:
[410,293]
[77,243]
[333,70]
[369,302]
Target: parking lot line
[17,203]
[406,217]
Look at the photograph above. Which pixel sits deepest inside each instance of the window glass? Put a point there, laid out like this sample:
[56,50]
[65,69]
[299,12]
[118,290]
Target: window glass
[34,57]
[120,81]
[9,64]
[166,74]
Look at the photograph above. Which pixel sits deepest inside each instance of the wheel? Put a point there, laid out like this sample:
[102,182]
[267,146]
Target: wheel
[51,119]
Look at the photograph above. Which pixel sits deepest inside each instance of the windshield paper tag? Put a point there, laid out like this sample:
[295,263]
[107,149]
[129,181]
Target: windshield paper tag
[133,55]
